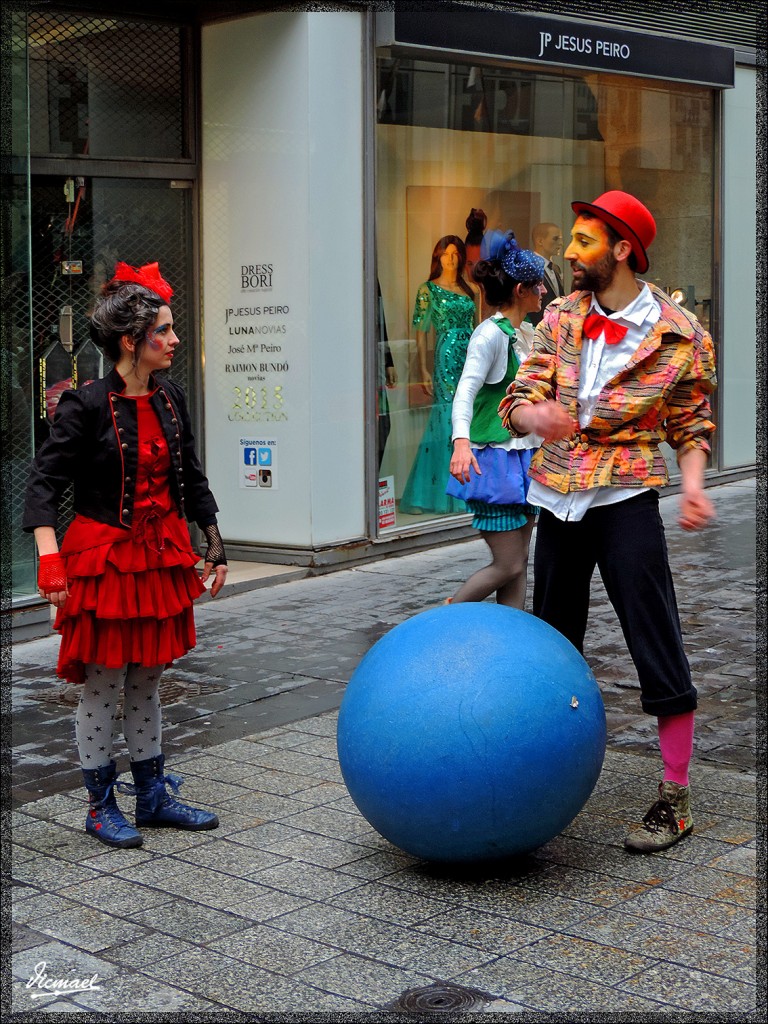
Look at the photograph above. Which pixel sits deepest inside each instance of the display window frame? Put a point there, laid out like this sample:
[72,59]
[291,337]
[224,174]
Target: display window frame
[682,98]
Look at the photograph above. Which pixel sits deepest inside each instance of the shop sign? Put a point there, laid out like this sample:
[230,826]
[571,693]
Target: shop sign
[547,40]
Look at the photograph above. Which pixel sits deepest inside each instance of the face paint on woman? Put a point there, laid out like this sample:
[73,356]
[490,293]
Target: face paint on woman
[154,343]
[161,342]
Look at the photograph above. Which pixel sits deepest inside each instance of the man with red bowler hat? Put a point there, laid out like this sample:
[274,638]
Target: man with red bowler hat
[616,369]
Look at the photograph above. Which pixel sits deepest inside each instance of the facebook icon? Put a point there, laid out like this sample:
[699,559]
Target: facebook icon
[250,456]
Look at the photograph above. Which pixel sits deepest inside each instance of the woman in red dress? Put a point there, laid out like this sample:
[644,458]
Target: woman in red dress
[124,581]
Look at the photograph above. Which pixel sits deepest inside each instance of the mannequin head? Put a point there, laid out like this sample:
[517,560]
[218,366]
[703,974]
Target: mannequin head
[441,247]
[547,239]
[449,256]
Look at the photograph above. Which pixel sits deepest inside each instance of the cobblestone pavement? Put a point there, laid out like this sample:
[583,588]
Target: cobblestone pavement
[295,904]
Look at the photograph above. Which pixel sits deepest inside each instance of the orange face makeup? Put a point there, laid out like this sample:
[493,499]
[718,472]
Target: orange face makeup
[591,255]
[589,242]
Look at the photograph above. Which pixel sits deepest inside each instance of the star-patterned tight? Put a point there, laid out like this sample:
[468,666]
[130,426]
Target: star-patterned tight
[96,718]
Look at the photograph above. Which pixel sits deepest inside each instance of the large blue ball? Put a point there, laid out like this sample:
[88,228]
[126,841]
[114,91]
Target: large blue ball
[471,732]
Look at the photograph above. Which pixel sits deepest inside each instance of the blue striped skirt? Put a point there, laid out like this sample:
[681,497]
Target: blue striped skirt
[497,496]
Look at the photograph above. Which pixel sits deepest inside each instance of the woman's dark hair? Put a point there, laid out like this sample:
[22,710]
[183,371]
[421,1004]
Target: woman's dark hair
[436,268]
[476,223]
[498,287]
[123,308]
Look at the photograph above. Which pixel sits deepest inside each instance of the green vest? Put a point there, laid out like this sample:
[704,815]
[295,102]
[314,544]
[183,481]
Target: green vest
[486,424]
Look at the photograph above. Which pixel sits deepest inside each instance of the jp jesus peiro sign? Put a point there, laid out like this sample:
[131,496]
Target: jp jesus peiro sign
[466,32]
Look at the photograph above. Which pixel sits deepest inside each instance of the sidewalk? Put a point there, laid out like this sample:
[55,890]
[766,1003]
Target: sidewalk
[295,905]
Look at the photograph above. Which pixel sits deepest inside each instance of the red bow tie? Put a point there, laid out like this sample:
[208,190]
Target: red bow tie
[595,323]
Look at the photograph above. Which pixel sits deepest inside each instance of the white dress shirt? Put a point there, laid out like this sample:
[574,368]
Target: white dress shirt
[600,363]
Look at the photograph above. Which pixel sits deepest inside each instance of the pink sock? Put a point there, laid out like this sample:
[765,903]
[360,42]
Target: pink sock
[676,742]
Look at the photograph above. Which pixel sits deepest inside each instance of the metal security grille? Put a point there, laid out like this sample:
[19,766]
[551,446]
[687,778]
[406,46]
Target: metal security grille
[96,89]
[105,87]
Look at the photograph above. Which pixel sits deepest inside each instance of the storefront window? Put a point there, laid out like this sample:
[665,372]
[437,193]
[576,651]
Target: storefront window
[463,151]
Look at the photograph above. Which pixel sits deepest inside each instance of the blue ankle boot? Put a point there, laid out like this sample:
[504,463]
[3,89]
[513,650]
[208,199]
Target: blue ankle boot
[155,807]
[105,821]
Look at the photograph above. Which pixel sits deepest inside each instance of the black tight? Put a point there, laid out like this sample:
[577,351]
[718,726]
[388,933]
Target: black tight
[507,573]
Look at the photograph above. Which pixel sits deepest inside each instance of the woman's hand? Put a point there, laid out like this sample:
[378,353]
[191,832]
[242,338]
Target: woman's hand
[220,574]
[427,388]
[52,579]
[463,457]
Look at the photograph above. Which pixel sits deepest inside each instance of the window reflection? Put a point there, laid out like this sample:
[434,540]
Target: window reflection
[519,146]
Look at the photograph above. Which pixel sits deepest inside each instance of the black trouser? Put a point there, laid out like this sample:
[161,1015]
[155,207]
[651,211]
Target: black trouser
[626,542]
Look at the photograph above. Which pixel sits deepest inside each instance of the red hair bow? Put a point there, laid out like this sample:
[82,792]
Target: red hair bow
[148,276]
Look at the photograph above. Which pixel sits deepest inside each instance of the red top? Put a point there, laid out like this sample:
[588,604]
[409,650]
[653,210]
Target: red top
[155,518]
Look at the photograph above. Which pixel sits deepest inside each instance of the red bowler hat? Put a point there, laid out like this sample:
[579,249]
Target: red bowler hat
[627,215]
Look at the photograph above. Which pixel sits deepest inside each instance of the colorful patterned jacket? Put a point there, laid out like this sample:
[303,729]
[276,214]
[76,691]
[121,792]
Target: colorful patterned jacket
[662,394]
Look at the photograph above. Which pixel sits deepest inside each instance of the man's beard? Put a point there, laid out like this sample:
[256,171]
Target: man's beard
[597,277]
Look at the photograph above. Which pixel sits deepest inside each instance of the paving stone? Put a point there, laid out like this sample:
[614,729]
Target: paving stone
[114,894]
[307,880]
[530,906]
[715,884]
[39,906]
[60,961]
[272,905]
[274,949]
[693,990]
[89,929]
[51,874]
[668,907]
[742,860]
[593,961]
[672,943]
[493,932]
[327,822]
[213,889]
[191,968]
[377,865]
[252,990]
[144,995]
[23,937]
[326,852]
[231,858]
[436,957]
[189,921]
[147,949]
[269,835]
[260,807]
[549,991]
[153,870]
[323,922]
[601,889]
[391,904]
[348,975]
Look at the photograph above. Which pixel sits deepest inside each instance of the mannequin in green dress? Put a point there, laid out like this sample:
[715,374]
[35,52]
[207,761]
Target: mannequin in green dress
[445,303]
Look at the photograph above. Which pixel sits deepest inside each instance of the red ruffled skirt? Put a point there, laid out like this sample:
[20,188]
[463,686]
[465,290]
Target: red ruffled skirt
[131,594]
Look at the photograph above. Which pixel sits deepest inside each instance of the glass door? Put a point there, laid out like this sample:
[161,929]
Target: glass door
[78,229]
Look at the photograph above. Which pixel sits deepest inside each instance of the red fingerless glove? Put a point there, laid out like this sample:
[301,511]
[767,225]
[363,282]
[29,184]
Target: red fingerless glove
[52,574]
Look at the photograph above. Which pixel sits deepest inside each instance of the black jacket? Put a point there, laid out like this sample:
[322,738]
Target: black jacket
[94,443]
